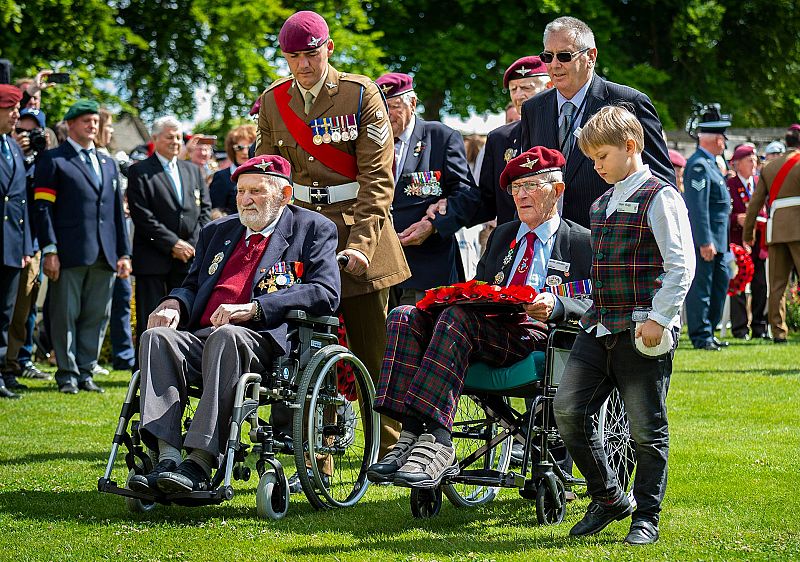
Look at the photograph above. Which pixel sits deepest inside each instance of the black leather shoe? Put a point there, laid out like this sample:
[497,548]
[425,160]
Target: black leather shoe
[779,340]
[68,388]
[13,384]
[708,346]
[642,532]
[719,342]
[600,514]
[295,487]
[188,477]
[148,483]
[6,393]
[90,386]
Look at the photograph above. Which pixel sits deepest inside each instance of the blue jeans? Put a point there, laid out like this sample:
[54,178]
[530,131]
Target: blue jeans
[595,367]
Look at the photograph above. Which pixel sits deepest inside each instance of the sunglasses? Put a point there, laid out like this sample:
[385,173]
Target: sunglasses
[238,147]
[562,56]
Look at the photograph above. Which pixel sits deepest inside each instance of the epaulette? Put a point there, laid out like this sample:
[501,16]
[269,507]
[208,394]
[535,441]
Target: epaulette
[276,83]
[358,78]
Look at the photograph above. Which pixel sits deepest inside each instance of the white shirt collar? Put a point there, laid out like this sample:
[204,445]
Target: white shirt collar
[78,147]
[634,180]
[543,232]
[577,99]
[744,181]
[405,136]
[164,161]
[267,230]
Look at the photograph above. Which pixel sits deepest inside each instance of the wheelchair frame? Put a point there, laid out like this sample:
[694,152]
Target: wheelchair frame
[306,381]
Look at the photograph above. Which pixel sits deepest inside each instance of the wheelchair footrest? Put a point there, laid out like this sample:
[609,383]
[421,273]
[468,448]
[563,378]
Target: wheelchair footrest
[489,477]
[211,497]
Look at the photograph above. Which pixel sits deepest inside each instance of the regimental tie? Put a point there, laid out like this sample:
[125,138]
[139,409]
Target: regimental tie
[175,179]
[563,131]
[5,149]
[309,100]
[87,158]
[520,276]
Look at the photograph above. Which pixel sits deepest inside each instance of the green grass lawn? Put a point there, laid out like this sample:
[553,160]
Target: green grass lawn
[735,424]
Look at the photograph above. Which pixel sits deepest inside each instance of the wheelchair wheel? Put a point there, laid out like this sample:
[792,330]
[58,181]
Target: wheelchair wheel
[471,430]
[272,496]
[426,502]
[341,436]
[135,505]
[615,434]
[550,510]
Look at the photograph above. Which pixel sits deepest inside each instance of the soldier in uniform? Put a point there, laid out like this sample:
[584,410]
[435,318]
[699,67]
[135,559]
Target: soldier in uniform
[709,204]
[430,164]
[525,78]
[334,129]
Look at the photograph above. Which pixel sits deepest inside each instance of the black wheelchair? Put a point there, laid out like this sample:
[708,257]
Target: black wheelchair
[328,425]
[487,423]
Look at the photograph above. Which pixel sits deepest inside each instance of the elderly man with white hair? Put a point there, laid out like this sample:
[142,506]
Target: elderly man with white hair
[169,204]
[228,318]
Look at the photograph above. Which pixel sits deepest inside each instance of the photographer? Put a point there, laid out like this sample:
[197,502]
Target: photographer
[31,136]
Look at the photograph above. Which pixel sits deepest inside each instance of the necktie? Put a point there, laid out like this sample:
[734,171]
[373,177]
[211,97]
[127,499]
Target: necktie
[6,150]
[87,158]
[309,98]
[172,173]
[564,138]
[254,240]
[520,276]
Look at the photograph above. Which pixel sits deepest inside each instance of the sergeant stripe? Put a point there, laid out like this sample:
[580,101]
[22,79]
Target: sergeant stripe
[44,194]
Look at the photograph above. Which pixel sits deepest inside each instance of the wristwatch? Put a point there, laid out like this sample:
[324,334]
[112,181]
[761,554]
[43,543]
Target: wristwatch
[259,313]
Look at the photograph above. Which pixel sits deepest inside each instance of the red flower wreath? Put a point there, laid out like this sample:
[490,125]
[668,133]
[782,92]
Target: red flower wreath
[476,292]
[745,273]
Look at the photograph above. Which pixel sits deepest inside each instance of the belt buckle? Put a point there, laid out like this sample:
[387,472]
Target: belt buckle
[319,195]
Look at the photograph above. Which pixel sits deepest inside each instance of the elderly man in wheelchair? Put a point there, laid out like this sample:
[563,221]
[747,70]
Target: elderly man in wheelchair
[229,318]
[428,354]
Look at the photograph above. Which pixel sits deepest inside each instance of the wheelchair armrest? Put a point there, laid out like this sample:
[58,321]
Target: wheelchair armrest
[303,317]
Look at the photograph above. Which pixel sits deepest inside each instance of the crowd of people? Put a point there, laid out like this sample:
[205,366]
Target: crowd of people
[578,185]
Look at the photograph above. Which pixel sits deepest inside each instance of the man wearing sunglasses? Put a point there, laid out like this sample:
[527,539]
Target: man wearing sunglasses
[554,118]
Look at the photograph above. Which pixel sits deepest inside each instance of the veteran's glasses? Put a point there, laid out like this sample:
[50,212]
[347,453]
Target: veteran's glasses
[528,186]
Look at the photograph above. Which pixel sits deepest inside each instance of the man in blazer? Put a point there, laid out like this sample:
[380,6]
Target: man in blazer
[227,318]
[430,165]
[15,235]
[428,354]
[80,225]
[169,204]
[554,117]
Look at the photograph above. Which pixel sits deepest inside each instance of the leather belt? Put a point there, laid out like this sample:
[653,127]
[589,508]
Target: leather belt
[326,195]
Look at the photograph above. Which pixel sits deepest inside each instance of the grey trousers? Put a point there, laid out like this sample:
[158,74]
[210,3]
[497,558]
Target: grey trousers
[80,305]
[172,359]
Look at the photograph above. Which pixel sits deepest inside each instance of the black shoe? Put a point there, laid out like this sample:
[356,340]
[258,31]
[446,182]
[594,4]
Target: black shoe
[13,384]
[719,342]
[517,452]
[745,337]
[779,340]
[90,386]
[122,365]
[31,371]
[642,532]
[68,388]
[600,514]
[6,393]
[148,483]
[188,477]
[708,346]
[295,487]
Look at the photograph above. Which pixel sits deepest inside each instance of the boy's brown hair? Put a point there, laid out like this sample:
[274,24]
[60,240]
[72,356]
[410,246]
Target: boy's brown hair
[612,125]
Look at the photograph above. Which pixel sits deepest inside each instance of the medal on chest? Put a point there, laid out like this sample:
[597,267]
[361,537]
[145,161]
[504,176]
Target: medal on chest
[510,254]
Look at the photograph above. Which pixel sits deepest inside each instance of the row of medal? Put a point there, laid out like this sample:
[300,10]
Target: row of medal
[423,184]
[282,274]
[342,128]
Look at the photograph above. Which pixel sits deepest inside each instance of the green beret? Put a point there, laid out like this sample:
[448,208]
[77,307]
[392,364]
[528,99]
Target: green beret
[82,107]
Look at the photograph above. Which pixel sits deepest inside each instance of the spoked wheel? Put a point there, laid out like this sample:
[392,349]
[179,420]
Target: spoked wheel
[135,505]
[340,435]
[426,502]
[472,430]
[272,496]
[615,433]
[550,508]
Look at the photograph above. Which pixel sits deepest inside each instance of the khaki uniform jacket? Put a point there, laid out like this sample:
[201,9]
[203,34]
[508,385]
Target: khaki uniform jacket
[785,221]
[364,224]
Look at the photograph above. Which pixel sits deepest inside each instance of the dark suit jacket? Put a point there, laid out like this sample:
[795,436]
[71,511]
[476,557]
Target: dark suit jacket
[82,220]
[223,191]
[15,232]
[540,128]
[572,245]
[435,261]
[300,235]
[502,144]
[159,219]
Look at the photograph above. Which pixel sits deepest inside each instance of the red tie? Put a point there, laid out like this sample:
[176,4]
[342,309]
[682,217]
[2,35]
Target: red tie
[521,274]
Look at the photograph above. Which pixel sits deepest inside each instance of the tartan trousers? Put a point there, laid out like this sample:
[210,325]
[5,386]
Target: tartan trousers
[427,356]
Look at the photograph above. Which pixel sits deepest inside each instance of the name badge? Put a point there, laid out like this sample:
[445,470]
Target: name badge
[558,265]
[627,207]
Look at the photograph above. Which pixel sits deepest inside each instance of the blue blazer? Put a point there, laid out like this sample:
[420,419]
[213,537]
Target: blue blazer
[83,219]
[708,201]
[540,128]
[16,231]
[300,235]
[502,144]
[434,147]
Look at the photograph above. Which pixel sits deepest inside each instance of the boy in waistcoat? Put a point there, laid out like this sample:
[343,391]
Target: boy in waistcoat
[642,267]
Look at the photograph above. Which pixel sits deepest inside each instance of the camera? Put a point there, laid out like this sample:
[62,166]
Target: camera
[37,144]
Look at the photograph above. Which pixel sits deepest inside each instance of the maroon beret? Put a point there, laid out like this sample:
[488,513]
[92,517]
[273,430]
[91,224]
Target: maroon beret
[676,158]
[743,151]
[524,68]
[537,160]
[9,95]
[303,31]
[794,127]
[395,84]
[265,165]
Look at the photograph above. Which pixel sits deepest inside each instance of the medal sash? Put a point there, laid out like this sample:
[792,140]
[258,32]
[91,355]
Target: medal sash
[340,162]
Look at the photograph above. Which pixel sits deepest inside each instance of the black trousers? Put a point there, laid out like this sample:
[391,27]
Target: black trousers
[740,324]
[9,282]
[150,289]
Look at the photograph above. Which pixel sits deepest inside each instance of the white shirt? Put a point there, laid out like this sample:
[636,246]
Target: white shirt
[401,146]
[668,220]
[748,184]
[266,231]
[93,156]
